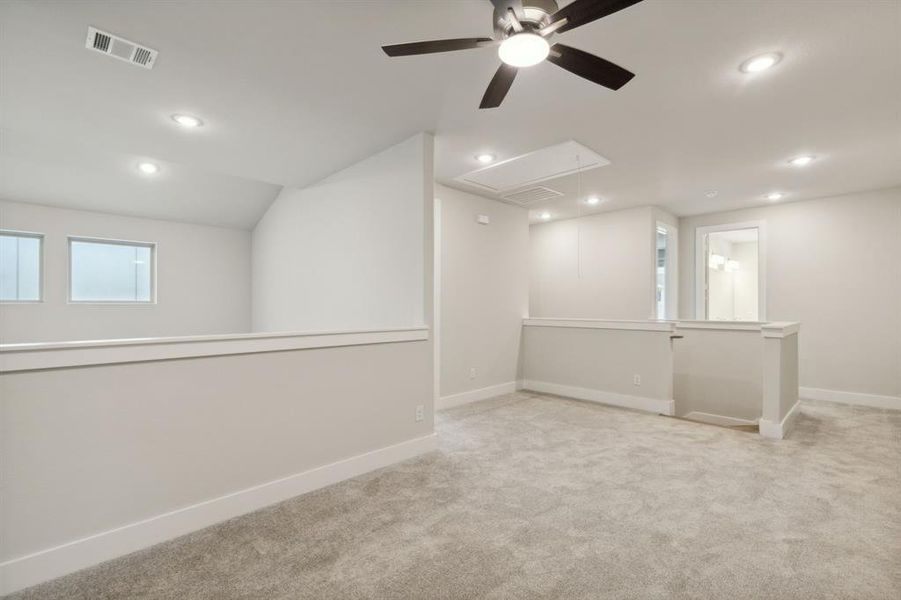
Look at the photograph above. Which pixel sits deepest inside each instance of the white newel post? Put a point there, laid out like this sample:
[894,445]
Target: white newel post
[780,379]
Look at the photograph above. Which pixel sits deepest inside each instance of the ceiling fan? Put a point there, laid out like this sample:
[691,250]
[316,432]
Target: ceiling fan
[522,29]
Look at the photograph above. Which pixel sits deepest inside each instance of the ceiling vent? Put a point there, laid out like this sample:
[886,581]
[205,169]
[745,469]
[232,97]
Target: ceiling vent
[113,45]
[530,196]
[535,167]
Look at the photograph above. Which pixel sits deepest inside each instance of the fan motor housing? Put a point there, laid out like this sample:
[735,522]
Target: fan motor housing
[536,14]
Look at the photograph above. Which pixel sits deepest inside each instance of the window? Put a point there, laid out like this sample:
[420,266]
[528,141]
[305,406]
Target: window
[110,271]
[20,266]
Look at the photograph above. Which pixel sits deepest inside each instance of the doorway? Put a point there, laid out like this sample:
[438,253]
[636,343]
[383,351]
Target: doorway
[730,272]
[665,275]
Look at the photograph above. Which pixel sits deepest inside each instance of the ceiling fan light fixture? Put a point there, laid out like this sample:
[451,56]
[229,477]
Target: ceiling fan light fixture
[523,50]
[520,30]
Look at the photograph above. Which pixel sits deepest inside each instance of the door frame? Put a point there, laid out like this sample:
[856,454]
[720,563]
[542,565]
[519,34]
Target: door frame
[672,271]
[700,274]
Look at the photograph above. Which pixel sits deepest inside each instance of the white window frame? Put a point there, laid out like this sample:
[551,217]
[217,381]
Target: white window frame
[40,238]
[701,265]
[132,243]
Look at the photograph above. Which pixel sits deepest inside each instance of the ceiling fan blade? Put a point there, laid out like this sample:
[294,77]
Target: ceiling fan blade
[499,86]
[581,12]
[433,46]
[591,67]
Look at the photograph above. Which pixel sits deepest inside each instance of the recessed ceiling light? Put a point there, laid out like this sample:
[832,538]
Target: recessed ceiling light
[188,121]
[801,161]
[593,200]
[775,196]
[485,158]
[711,193]
[760,63]
[148,168]
[544,216]
[523,50]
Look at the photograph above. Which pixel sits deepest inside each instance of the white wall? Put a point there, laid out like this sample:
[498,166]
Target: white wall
[719,372]
[85,465]
[211,437]
[348,252]
[203,279]
[484,290]
[832,264]
[600,364]
[617,275]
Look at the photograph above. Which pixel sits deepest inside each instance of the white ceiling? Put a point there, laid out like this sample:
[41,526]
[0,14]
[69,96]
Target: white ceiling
[74,174]
[292,91]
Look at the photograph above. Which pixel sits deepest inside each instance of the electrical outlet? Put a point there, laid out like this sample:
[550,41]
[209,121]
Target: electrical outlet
[473,372]
[420,413]
[636,380]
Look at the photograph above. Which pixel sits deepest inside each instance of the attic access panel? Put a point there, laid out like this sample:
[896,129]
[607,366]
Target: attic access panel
[541,165]
[531,195]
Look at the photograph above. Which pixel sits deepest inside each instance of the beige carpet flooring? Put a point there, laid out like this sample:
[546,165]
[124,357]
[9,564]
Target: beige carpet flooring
[535,496]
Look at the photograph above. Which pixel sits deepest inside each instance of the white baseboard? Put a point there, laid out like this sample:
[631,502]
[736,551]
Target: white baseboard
[713,419]
[874,400]
[654,405]
[778,431]
[44,565]
[475,395]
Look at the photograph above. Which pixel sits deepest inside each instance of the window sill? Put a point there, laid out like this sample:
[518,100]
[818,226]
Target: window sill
[88,304]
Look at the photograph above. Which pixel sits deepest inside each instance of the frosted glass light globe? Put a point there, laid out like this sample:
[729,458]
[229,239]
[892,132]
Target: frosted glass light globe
[523,50]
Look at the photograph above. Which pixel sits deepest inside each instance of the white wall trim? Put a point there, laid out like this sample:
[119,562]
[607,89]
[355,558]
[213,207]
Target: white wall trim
[28,357]
[713,419]
[780,329]
[32,569]
[771,329]
[722,325]
[767,329]
[778,431]
[600,324]
[475,395]
[655,405]
[856,398]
